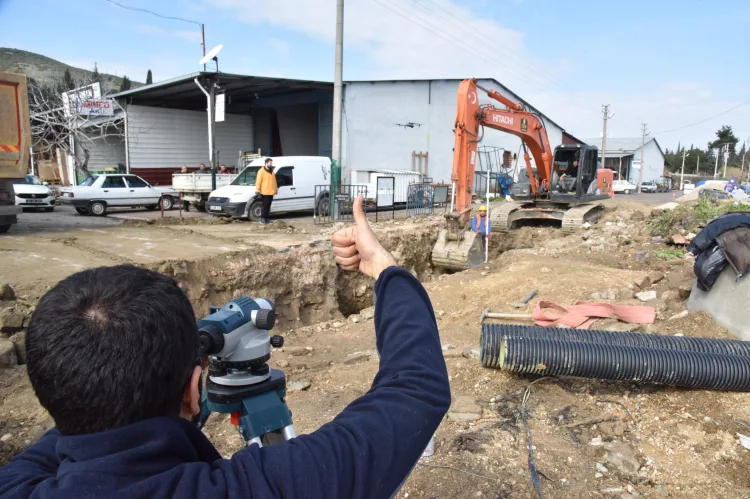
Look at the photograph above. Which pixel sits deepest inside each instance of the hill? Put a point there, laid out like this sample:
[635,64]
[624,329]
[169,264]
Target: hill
[45,69]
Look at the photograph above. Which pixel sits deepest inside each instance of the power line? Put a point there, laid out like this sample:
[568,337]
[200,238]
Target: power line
[483,39]
[707,119]
[470,50]
[137,9]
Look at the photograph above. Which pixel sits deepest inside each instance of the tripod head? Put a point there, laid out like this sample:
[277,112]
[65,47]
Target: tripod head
[235,339]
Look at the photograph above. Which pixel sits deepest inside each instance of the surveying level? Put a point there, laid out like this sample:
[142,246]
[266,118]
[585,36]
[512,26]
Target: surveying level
[240,383]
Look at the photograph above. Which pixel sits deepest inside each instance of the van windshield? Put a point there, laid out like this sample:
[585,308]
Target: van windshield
[247,177]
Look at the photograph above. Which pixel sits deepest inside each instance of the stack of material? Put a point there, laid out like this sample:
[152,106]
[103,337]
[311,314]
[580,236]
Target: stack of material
[669,360]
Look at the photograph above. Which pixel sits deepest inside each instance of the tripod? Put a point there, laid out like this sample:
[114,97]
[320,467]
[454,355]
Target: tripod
[259,410]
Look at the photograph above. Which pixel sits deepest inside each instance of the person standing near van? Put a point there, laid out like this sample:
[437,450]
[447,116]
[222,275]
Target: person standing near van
[265,185]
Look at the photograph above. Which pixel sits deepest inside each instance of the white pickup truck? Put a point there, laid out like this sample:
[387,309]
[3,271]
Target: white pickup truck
[196,187]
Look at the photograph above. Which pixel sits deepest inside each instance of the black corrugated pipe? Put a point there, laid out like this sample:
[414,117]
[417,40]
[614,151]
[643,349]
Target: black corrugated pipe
[625,363]
[492,334]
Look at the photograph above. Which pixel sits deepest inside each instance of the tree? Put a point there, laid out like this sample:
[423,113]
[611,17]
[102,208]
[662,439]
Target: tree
[67,81]
[725,136]
[95,75]
[125,85]
[149,78]
[58,121]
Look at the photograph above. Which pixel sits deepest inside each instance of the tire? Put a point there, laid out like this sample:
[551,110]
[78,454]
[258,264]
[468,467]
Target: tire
[626,191]
[152,207]
[4,228]
[168,203]
[254,211]
[98,208]
[324,206]
[82,211]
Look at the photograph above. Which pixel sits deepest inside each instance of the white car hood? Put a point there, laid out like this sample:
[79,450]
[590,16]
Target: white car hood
[32,189]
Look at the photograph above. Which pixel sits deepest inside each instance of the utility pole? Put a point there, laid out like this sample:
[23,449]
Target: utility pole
[682,174]
[605,112]
[203,37]
[726,159]
[742,170]
[338,105]
[644,132]
[698,166]
[716,167]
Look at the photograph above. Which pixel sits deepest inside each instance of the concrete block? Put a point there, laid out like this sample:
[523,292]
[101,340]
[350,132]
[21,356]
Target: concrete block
[465,409]
[726,302]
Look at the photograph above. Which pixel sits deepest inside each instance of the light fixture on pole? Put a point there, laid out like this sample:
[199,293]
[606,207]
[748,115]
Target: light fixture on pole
[211,109]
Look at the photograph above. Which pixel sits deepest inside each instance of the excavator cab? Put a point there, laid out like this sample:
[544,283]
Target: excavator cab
[574,170]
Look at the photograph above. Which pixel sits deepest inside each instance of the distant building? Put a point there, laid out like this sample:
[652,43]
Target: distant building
[624,157]
[393,125]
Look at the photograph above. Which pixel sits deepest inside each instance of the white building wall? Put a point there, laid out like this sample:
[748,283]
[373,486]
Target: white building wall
[170,138]
[373,139]
[105,152]
[653,160]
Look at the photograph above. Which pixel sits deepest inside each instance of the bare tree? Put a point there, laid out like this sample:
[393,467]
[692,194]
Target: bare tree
[61,120]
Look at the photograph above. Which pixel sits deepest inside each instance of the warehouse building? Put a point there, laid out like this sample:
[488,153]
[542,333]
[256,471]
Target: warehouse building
[396,125]
[624,158]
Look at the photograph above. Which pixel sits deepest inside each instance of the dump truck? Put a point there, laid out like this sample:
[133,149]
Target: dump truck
[15,143]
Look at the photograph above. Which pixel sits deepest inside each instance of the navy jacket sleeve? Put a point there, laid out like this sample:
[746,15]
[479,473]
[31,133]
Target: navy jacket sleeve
[371,447]
[34,465]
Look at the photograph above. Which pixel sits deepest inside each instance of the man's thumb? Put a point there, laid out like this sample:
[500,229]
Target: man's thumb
[359,214]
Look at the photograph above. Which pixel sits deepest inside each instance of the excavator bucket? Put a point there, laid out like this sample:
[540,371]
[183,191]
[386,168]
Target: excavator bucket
[460,254]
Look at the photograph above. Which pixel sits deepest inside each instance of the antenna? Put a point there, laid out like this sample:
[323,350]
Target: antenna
[212,54]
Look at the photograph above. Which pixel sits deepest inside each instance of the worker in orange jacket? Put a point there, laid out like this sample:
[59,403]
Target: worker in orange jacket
[265,185]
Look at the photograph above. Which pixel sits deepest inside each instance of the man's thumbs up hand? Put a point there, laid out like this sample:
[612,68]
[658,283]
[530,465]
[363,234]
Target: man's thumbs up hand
[357,248]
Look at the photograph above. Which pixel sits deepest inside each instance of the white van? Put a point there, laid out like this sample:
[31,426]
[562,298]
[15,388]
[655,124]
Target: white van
[296,177]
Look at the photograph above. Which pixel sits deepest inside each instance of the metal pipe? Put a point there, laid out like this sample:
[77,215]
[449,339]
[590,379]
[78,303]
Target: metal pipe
[453,197]
[33,171]
[209,99]
[625,363]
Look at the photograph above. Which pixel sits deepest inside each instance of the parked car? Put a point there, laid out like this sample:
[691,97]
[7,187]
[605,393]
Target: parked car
[688,187]
[32,193]
[98,193]
[649,187]
[296,177]
[623,186]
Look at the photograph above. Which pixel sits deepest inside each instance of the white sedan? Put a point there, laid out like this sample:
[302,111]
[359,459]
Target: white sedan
[32,193]
[623,186]
[99,192]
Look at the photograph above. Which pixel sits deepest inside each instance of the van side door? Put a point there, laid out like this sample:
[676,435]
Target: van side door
[286,199]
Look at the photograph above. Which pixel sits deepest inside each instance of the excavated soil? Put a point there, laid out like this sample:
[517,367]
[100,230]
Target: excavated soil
[591,438]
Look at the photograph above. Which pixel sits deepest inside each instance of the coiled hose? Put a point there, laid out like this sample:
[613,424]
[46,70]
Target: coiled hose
[492,335]
[631,363]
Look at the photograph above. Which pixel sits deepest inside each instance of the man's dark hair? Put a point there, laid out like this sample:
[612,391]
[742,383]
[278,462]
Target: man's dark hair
[111,346]
[268,160]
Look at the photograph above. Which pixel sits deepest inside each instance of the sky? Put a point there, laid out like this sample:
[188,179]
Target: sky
[666,63]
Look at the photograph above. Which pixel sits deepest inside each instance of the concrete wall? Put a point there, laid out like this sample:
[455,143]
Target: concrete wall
[372,138]
[654,164]
[170,138]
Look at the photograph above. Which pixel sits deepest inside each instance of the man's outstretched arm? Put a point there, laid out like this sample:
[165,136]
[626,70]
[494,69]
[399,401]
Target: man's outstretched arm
[370,448]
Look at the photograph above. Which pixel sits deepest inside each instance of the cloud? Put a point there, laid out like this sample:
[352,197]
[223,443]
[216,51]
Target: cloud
[278,45]
[191,36]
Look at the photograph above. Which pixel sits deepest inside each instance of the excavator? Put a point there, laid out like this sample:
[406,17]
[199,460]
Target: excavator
[563,185]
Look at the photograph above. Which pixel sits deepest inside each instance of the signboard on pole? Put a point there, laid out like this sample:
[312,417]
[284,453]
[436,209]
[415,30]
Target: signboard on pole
[220,107]
[96,107]
[78,95]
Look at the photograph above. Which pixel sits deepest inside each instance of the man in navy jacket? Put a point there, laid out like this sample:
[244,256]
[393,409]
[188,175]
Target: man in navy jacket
[112,355]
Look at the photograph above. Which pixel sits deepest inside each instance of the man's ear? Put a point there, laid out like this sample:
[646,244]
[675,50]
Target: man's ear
[191,398]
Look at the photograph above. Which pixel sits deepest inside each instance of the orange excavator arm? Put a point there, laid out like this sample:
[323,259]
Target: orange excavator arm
[515,120]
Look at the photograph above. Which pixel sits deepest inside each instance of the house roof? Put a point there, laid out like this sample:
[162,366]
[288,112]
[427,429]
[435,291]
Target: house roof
[623,146]
[183,93]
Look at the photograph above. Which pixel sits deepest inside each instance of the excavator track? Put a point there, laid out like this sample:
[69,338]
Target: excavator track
[500,213]
[576,216]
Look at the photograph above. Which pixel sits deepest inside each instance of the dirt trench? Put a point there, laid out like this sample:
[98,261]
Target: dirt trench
[303,282]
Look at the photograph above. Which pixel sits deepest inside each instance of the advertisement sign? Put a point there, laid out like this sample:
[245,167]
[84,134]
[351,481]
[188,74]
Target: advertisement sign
[78,95]
[96,107]
[220,107]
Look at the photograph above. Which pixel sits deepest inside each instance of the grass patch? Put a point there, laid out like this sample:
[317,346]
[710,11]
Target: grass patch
[691,216]
[670,254]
